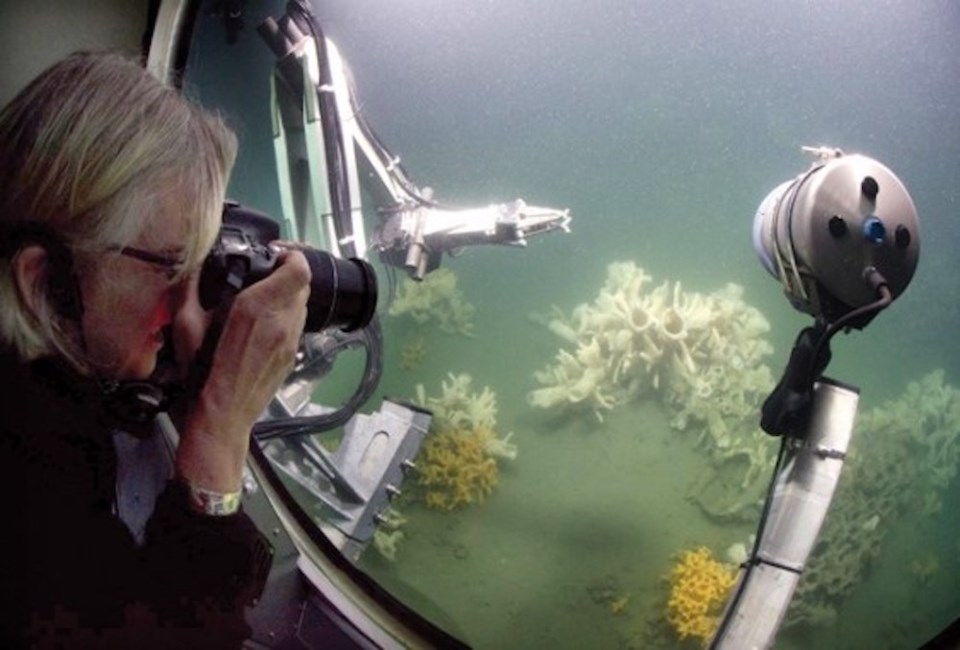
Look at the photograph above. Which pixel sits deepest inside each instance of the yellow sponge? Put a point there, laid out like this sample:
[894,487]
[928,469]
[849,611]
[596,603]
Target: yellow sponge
[699,587]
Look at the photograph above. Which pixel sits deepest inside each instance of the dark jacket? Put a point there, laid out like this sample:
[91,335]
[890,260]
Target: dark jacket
[71,573]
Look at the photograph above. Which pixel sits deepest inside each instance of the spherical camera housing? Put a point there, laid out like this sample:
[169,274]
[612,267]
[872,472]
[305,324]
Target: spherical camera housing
[820,233]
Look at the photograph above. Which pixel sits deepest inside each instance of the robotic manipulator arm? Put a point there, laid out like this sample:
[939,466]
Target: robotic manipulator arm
[324,147]
[843,239]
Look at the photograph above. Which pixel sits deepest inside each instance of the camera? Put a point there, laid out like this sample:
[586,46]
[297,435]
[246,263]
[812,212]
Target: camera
[823,233]
[343,292]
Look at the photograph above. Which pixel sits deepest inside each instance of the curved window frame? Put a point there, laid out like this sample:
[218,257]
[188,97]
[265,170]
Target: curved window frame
[361,605]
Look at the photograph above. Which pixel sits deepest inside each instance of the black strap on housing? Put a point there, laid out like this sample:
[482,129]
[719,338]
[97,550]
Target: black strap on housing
[786,410]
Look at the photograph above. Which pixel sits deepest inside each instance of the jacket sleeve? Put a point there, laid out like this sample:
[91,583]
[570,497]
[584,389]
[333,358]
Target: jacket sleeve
[203,570]
[72,574]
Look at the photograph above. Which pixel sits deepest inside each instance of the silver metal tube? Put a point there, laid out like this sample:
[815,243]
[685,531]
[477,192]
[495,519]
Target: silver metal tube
[168,34]
[801,498]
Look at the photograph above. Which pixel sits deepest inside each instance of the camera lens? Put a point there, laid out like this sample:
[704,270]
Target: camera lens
[343,292]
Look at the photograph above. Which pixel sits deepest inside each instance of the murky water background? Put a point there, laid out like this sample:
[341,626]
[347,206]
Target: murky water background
[661,126]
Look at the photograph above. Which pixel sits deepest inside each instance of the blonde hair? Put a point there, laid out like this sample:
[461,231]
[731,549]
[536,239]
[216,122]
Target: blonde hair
[87,151]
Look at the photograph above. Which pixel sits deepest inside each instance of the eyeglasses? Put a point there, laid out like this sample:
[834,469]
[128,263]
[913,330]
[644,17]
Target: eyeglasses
[169,265]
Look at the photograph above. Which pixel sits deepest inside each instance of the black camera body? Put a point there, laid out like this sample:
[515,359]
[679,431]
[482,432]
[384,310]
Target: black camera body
[343,292]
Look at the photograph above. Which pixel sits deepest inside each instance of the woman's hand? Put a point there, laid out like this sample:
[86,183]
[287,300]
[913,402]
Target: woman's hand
[254,355]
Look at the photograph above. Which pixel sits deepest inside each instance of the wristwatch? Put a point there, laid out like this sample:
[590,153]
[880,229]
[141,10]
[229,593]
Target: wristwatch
[216,504]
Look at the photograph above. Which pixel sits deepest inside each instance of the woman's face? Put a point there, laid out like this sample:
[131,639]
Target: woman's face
[129,297]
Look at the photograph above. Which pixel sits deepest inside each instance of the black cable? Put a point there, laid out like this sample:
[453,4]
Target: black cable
[872,275]
[785,410]
[372,337]
[879,284]
[333,143]
[388,161]
[300,426]
[752,559]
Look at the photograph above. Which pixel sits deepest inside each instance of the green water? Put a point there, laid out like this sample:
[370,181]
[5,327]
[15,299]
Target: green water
[591,512]
[661,126]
